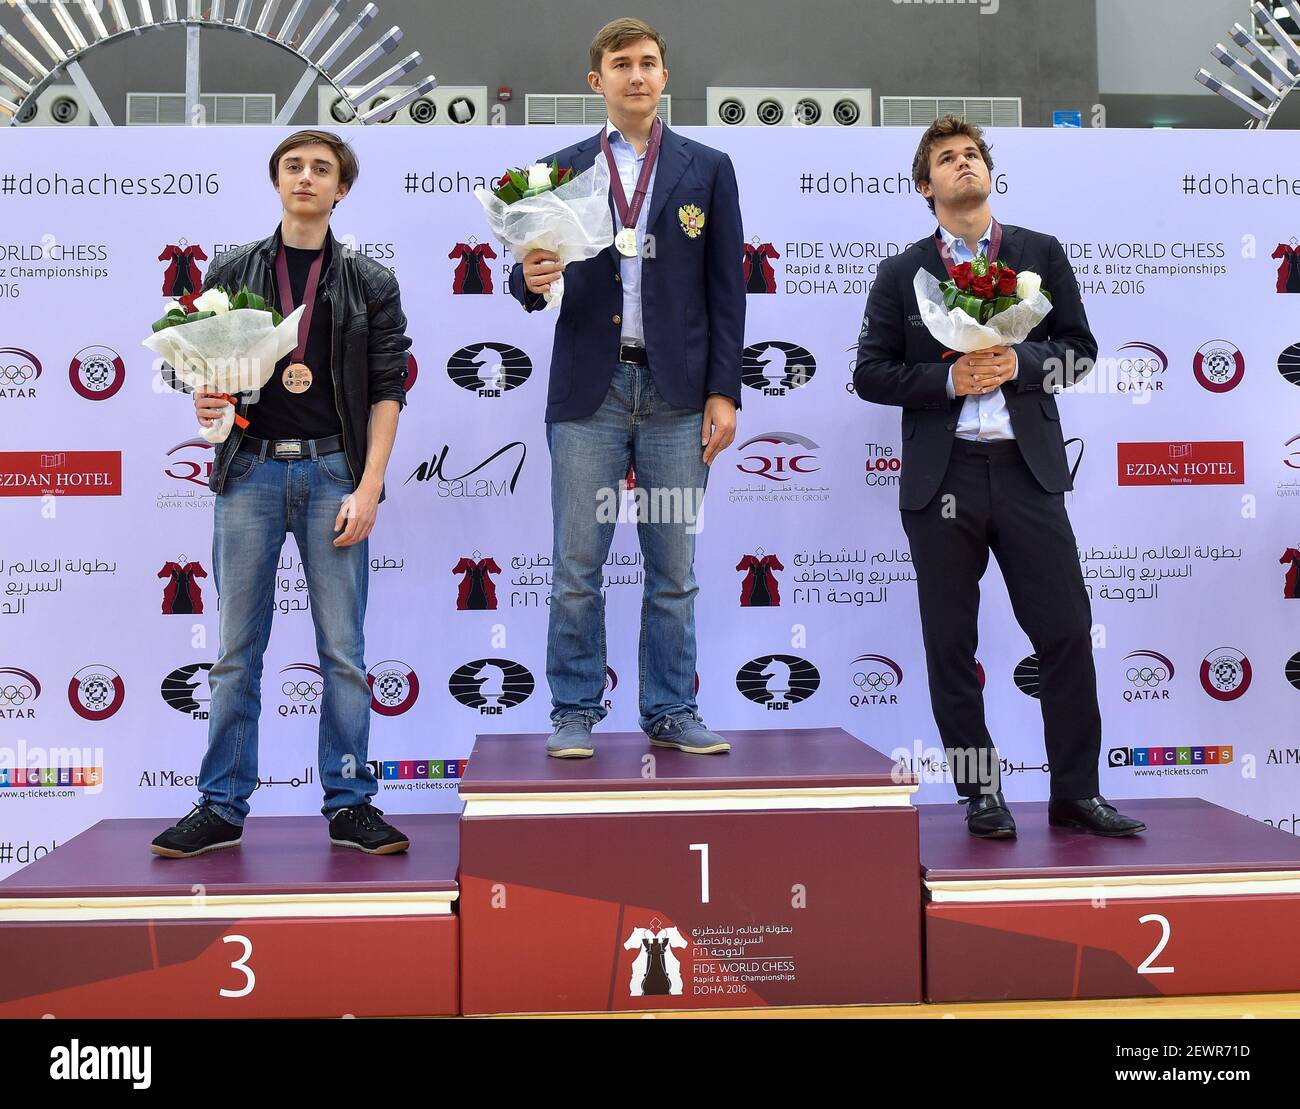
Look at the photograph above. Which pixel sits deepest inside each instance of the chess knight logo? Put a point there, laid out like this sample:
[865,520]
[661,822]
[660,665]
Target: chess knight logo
[477,589]
[491,685]
[778,681]
[182,276]
[775,367]
[473,275]
[489,369]
[760,589]
[655,969]
[759,276]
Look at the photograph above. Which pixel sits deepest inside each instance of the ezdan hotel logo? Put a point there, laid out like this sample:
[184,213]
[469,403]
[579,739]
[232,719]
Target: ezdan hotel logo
[1217,463]
[776,367]
[1169,756]
[60,473]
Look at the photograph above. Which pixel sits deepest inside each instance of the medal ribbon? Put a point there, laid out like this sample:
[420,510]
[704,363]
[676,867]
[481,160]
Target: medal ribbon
[308,297]
[630,213]
[995,244]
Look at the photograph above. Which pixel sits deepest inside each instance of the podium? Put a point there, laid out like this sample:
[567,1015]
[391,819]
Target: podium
[285,925]
[781,873]
[1205,901]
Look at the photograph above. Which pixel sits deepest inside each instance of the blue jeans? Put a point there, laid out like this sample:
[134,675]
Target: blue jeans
[589,461]
[263,499]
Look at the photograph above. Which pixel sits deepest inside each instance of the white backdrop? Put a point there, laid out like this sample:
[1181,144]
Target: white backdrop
[1175,252]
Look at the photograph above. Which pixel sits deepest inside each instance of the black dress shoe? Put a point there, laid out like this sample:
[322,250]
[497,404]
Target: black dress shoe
[1093,814]
[987,817]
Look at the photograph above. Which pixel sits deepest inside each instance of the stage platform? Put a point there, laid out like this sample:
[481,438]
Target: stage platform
[1206,901]
[285,925]
[781,873]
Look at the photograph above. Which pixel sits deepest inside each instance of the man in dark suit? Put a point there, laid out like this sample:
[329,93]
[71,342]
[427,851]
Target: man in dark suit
[645,374]
[984,469]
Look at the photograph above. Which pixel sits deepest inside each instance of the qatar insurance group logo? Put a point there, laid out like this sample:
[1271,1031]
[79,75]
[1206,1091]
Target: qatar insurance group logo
[19,690]
[186,690]
[1218,366]
[775,368]
[96,692]
[1148,676]
[489,369]
[1225,673]
[491,685]
[875,677]
[778,681]
[394,687]
[1141,368]
[19,370]
[302,688]
[97,372]
[781,467]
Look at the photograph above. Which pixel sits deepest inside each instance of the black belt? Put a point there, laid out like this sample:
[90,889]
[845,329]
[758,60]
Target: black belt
[988,448]
[290,449]
[635,355]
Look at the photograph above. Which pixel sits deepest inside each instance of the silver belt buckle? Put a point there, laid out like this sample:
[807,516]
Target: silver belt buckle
[288,448]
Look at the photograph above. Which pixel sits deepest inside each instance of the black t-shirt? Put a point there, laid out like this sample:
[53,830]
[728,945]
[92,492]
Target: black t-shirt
[278,413]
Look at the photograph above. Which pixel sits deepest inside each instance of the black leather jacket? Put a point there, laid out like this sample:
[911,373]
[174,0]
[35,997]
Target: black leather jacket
[368,329]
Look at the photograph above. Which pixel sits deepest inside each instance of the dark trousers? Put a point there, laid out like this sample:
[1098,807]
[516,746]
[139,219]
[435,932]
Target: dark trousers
[989,501]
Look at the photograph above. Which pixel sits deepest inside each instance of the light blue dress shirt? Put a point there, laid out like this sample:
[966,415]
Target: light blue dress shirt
[984,419]
[629,168]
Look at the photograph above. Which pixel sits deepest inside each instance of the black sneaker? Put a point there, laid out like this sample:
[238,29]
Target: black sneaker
[365,828]
[199,831]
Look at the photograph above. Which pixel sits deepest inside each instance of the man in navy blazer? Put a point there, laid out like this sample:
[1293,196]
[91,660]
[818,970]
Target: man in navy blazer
[645,377]
[985,470]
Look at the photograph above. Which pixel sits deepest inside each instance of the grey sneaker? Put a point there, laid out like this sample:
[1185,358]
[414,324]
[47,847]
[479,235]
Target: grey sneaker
[687,733]
[571,739]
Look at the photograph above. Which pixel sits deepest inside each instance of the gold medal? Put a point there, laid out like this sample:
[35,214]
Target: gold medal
[625,242]
[297,377]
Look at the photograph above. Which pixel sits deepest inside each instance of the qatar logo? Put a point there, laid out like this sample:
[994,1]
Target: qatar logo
[1219,366]
[302,688]
[19,370]
[778,681]
[18,690]
[1288,364]
[97,372]
[875,677]
[489,369]
[1026,676]
[1225,674]
[186,690]
[96,692]
[778,456]
[1148,673]
[775,367]
[1292,670]
[1141,366]
[394,687]
[491,685]
[611,684]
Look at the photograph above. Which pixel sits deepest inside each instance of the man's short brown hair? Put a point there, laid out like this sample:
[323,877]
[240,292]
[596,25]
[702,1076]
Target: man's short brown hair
[349,167]
[945,127]
[619,33]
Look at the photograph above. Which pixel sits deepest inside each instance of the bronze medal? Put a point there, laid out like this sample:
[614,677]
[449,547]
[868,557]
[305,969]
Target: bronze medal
[297,377]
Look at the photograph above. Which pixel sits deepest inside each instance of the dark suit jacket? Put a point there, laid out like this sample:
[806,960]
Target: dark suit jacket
[692,290]
[900,363]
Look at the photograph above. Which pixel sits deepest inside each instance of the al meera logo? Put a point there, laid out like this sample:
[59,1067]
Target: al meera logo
[394,687]
[1225,673]
[96,692]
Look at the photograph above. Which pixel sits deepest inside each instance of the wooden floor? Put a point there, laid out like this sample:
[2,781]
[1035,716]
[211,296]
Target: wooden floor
[1159,1008]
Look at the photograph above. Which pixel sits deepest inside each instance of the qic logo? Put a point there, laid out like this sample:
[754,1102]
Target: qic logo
[778,681]
[779,456]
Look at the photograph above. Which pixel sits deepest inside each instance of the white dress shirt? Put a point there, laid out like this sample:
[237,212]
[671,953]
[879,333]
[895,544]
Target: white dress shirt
[629,164]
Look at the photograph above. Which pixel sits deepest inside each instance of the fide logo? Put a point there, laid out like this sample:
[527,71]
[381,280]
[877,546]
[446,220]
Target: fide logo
[96,692]
[1026,676]
[774,368]
[875,677]
[1292,670]
[1225,674]
[394,687]
[489,369]
[186,690]
[97,372]
[778,681]
[1288,364]
[1218,366]
[491,685]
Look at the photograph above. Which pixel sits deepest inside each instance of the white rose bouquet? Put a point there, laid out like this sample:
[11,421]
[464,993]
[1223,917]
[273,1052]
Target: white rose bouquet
[230,344]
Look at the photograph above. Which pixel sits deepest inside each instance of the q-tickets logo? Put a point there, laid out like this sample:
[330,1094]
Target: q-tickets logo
[96,692]
[489,369]
[19,370]
[1218,755]
[775,367]
[875,678]
[394,687]
[19,690]
[51,768]
[97,372]
[1148,676]
[1218,366]
[418,773]
[491,685]
[1141,368]
[778,681]
[1225,673]
[302,687]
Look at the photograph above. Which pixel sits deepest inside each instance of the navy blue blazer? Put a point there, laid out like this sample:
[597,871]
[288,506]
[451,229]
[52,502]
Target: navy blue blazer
[692,290]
